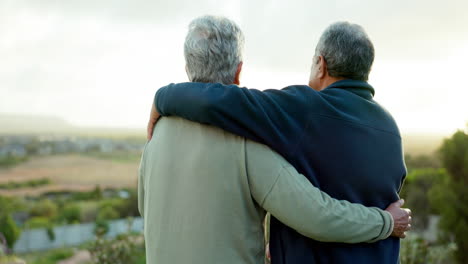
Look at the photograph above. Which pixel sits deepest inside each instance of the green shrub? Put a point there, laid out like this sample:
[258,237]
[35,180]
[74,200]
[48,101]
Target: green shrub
[89,211]
[121,250]
[50,233]
[9,229]
[422,162]
[101,227]
[416,250]
[7,226]
[450,198]
[11,185]
[95,194]
[107,213]
[44,208]
[37,222]
[415,191]
[70,214]
[118,205]
[130,206]
[11,161]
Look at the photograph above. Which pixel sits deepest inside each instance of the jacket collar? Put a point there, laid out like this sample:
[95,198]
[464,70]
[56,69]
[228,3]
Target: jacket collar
[360,87]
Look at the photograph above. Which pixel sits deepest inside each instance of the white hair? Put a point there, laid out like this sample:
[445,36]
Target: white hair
[348,51]
[213,49]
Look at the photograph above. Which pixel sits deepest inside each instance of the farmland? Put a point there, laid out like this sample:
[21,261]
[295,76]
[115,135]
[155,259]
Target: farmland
[71,172]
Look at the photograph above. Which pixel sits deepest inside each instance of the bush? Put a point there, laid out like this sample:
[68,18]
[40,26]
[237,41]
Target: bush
[117,205]
[107,213]
[70,214]
[37,222]
[422,162]
[89,211]
[95,194]
[416,250]
[11,161]
[130,205]
[9,229]
[122,250]
[415,191]
[45,208]
[24,184]
[101,228]
[50,233]
[450,198]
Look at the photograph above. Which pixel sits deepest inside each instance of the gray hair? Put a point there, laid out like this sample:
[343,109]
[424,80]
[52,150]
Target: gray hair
[347,50]
[213,49]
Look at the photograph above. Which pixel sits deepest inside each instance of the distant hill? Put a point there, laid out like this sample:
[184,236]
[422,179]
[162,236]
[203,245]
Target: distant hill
[38,124]
[414,143]
[422,143]
[14,123]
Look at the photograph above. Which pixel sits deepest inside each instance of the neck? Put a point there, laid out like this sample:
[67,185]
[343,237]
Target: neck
[327,81]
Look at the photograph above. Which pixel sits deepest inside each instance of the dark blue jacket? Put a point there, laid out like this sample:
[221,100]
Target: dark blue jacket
[343,141]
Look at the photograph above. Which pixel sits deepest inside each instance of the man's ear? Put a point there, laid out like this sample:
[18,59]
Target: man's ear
[322,68]
[238,72]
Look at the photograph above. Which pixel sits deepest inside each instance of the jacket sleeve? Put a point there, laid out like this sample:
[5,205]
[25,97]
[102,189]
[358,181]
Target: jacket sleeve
[293,200]
[267,116]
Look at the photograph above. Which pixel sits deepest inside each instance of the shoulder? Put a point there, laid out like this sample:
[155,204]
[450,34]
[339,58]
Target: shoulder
[264,156]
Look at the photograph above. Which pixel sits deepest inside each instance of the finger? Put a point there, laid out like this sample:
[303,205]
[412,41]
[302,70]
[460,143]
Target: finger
[408,211]
[401,235]
[398,203]
[401,202]
[410,219]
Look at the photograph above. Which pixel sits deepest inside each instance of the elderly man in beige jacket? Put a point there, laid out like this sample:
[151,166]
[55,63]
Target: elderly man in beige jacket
[203,192]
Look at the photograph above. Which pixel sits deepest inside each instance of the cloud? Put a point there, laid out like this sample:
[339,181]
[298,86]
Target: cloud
[88,60]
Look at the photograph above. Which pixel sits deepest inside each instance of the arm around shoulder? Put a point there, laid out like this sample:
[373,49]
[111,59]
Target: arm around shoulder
[293,200]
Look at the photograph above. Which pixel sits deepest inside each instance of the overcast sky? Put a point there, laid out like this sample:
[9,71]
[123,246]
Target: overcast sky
[99,62]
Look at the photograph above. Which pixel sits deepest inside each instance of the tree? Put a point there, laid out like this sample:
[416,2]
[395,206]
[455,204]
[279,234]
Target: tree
[9,229]
[415,192]
[7,226]
[450,198]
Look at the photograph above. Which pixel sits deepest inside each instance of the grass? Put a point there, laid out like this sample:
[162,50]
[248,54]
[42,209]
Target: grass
[11,161]
[10,185]
[48,257]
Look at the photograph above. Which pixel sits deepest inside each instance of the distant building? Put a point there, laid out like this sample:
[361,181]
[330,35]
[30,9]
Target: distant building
[13,150]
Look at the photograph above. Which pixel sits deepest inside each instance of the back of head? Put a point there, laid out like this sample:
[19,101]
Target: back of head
[347,50]
[213,49]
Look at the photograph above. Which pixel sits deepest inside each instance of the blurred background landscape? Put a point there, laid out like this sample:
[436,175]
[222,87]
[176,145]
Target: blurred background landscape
[77,79]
